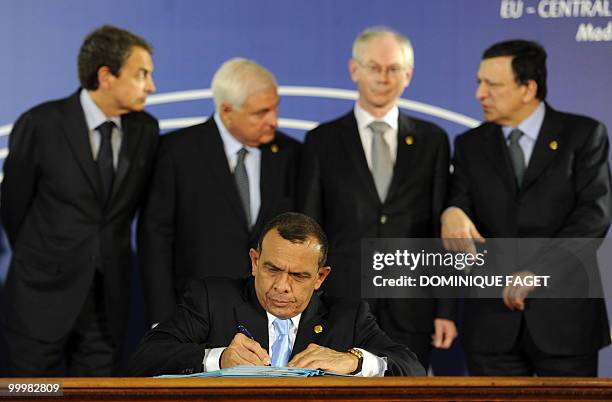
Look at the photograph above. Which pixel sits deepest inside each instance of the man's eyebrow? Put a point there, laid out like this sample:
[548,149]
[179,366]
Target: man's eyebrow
[301,273]
[271,265]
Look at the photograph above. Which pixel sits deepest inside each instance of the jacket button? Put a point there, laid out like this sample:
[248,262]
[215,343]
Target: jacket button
[383,219]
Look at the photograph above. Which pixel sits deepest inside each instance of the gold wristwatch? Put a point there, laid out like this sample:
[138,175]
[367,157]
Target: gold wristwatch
[359,354]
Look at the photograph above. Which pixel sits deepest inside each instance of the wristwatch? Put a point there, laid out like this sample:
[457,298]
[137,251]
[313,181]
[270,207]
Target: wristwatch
[359,354]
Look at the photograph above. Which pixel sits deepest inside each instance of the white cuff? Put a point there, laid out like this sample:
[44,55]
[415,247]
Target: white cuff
[373,366]
[212,359]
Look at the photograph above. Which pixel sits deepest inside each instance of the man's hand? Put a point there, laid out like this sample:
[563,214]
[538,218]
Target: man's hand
[244,350]
[514,296]
[445,331]
[458,231]
[320,357]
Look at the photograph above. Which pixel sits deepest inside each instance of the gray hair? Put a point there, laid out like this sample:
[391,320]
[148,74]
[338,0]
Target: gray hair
[238,78]
[377,32]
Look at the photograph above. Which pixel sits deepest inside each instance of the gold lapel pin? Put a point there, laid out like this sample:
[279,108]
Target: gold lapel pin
[318,329]
[554,145]
[409,140]
[274,148]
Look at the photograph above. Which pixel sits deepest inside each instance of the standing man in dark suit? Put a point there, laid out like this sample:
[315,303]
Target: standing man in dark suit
[215,185]
[74,176]
[277,317]
[529,171]
[377,173]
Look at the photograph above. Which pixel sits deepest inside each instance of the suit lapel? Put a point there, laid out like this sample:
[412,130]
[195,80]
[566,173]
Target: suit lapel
[214,155]
[130,138]
[269,179]
[542,154]
[496,151]
[253,317]
[313,316]
[354,150]
[408,142]
[76,131]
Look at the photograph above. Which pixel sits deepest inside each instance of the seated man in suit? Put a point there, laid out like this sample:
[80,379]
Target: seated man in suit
[214,187]
[529,171]
[275,317]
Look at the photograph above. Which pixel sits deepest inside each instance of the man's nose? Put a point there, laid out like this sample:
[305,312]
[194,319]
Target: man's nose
[272,118]
[481,91]
[150,87]
[282,283]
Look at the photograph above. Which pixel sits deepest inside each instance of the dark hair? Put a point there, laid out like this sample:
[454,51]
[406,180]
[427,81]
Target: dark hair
[528,61]
[296,228]
[106,46]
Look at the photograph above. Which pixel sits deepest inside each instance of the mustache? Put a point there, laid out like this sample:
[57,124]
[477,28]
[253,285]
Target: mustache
[281,299]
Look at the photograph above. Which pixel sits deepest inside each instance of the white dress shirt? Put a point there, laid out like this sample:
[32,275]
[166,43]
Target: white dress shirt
[366,135]
[531,129]
[94,117]
[252,163]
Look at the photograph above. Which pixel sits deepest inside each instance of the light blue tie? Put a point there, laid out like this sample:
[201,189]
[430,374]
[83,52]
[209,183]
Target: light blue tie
[281,349]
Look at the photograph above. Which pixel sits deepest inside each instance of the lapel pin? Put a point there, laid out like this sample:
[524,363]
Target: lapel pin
[274,148]
[409,140]
[318,329]
[554,145]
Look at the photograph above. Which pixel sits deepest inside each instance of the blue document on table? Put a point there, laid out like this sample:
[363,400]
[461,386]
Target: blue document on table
[259,372]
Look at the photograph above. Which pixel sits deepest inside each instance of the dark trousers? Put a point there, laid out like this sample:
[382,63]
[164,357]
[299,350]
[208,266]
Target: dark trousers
[88,350]
[526,359]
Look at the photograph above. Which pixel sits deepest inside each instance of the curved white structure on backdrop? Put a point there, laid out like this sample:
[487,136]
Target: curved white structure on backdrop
[307,92]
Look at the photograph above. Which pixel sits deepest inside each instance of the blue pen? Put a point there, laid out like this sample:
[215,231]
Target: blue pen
[242,329]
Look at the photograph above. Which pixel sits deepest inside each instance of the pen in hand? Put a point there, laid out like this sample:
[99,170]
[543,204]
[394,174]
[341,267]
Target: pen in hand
[244,331]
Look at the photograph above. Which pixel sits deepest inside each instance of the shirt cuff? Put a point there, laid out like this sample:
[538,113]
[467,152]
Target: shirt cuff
[212,359]
[373,366]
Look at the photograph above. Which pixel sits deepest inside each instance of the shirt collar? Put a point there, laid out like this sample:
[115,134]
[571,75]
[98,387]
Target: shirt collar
[230,143]
[294,320]
[364,118]
[93,115]
[531,125]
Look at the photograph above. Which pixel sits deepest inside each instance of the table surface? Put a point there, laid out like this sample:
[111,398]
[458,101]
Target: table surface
[326,388]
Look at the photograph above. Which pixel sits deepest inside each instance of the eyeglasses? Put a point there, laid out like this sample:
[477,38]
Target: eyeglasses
[394,70]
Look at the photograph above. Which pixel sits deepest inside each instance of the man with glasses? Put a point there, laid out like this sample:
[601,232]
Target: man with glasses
[390,182]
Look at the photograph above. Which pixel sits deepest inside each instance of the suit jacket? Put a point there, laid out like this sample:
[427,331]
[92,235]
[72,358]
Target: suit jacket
[565,194]
[58,227]
[193,224]
[212,309]
[337,189]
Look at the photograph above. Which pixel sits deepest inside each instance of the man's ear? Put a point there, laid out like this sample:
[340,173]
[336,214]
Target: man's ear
[321,275]
[531,91]
[225,112]
[254,260]
[408,75]
[353,67]
[105,77]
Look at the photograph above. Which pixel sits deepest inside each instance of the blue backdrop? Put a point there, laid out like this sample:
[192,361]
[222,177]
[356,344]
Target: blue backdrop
[307,45]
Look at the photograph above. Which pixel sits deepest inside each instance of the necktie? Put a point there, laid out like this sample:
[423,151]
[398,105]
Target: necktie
[281,349]
[516,155]
[105,159]
[382,166]
[242,183]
